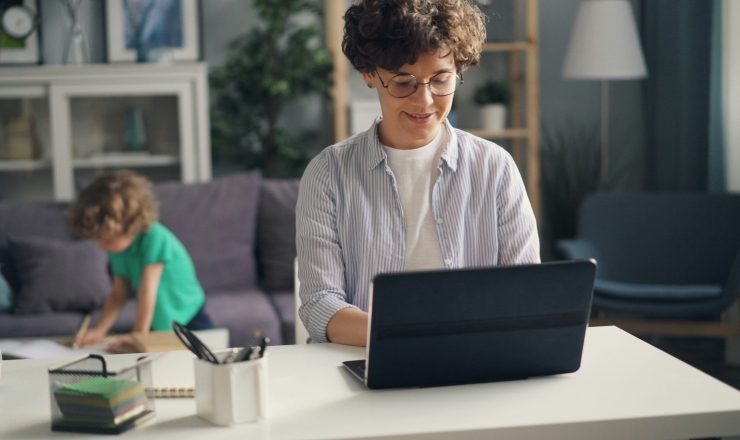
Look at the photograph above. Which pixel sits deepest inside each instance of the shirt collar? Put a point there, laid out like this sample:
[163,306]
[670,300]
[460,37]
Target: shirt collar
[376,155]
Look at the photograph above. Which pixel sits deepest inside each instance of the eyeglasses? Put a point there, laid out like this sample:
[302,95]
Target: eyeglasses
[403,85]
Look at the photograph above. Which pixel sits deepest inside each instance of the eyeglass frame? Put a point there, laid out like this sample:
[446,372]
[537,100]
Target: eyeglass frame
[418,83]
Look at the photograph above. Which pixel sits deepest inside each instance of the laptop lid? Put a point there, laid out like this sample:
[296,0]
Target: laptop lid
[477,325]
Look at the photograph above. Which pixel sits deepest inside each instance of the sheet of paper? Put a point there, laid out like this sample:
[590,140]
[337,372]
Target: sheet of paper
[42,348]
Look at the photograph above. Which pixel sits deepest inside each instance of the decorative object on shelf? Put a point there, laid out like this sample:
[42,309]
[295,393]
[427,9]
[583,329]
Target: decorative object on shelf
[134,138]
[153,30]
[604,45]
[77,47]
[272,65]
[19,24]
[20,143]
[493,98]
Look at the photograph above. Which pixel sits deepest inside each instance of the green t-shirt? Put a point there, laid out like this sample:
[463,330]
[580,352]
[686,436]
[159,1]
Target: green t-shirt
[180,295]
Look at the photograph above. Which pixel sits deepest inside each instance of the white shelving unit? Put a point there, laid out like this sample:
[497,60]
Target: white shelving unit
[58,87]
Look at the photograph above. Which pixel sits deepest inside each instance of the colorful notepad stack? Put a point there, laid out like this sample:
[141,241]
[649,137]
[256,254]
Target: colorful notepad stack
[100,403]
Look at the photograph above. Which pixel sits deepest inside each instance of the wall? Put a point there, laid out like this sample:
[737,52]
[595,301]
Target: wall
[731,90]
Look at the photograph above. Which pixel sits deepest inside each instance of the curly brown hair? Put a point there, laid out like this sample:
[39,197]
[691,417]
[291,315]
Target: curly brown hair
[391,33]
[116,204]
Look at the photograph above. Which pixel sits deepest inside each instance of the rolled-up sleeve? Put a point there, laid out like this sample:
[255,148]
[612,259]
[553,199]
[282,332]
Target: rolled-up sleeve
[321,266]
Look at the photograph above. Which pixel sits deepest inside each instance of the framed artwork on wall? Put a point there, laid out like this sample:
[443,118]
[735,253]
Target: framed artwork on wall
[19,34]
[152,30]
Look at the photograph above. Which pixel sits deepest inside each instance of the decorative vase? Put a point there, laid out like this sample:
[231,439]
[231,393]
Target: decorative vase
[134,138]
[77,48]
[493,117]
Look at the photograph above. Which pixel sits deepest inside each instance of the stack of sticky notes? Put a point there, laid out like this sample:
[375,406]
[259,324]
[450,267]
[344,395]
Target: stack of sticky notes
[100,403]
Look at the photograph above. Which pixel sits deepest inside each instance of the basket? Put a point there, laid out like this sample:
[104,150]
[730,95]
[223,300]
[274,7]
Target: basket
[94,366]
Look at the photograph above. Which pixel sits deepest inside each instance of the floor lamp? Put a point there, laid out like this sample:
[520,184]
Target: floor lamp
[604,45]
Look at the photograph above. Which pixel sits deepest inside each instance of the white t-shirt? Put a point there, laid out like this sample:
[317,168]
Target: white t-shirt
[416,172]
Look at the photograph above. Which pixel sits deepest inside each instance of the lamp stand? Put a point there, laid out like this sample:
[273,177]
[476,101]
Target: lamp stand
[604,133]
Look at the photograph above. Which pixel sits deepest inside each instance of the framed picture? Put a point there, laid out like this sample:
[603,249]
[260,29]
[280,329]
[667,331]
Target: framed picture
[19,34]
[136,29]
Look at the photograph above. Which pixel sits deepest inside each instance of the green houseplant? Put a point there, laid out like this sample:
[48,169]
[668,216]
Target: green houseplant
[273,65]
[493,98]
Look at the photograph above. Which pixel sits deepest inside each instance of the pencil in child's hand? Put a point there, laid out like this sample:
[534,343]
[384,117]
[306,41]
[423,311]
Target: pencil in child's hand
[81,332]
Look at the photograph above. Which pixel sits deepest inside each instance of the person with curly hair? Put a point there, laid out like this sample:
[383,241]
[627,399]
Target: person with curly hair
[411,193]
[119,212]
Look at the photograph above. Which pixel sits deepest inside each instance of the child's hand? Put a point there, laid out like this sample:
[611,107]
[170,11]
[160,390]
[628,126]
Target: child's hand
[91,337]
[123,344]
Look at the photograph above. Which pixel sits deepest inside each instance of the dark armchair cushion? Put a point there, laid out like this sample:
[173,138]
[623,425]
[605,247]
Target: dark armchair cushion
[216,222]
[276,234]
[59,275]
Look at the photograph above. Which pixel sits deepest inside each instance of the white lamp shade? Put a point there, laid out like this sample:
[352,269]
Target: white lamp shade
[604,43]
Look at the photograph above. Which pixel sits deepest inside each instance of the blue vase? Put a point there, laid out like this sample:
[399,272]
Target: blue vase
[134,137]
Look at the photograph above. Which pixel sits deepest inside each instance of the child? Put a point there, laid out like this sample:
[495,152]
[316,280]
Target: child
[119,211]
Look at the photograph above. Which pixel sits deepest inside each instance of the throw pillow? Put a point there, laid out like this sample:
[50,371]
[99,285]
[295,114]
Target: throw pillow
[6,296]
[58,275]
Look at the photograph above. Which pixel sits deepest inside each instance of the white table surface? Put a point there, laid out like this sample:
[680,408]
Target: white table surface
[624,389]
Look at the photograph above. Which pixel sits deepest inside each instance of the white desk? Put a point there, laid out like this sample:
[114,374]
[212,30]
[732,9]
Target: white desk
[625,389]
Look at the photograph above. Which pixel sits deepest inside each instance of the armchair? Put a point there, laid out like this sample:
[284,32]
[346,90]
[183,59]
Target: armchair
[668,264]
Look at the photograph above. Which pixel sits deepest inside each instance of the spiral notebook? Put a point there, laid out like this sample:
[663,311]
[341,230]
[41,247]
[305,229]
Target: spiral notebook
[172,376]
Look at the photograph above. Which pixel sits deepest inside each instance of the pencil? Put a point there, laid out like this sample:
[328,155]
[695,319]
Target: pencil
[81,332]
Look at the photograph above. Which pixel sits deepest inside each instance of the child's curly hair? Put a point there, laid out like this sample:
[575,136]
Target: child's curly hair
[116,204]
[391,33]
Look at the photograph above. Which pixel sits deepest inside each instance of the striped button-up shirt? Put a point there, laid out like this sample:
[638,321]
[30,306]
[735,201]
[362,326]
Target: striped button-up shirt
[351,226]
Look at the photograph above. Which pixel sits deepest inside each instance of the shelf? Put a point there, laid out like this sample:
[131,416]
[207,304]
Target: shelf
[24,165]
[509,46]
[509,133]
[125,160]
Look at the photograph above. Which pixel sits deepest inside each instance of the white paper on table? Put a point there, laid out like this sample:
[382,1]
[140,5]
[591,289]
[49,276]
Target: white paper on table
[42,348]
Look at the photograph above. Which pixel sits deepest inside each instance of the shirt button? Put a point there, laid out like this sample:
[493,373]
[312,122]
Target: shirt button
[439,221]
[448,262]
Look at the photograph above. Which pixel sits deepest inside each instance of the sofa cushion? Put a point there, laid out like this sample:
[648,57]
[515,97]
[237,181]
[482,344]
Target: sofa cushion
[285,305]
[48,324]
[59,275]
[216,222]
[242,313]
[276,234]
[29,218]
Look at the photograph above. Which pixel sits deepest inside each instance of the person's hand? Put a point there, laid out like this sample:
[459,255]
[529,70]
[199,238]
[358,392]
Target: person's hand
[91,337]
[123,344]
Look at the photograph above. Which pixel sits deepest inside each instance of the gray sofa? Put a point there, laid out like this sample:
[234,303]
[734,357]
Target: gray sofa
[239,230]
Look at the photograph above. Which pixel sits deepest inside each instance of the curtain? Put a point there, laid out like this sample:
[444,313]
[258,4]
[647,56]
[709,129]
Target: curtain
[678,54]
[716,179]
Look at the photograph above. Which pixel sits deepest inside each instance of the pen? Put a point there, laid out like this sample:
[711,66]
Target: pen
[263,346]
[81,332]
[244,352]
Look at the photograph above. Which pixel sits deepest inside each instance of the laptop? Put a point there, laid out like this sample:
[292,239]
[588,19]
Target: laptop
[476,325]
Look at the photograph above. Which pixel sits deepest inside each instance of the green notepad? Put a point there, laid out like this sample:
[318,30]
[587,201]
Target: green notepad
[98,387]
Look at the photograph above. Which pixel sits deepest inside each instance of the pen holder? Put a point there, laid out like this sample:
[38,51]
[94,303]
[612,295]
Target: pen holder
[232,393]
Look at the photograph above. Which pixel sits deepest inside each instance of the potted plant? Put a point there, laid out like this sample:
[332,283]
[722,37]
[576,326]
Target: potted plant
[279,62]
[493,98]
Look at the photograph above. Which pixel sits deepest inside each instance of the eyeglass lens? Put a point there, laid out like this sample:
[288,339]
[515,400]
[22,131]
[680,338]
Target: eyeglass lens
[442,84]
